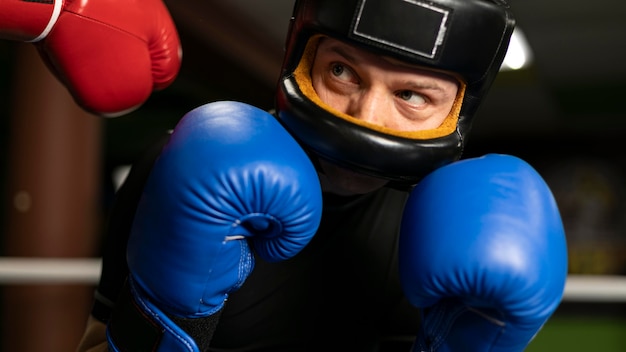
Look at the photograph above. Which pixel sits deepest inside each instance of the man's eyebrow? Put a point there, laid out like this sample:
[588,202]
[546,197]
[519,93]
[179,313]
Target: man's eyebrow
[342,51]
[428,78]
[424,85]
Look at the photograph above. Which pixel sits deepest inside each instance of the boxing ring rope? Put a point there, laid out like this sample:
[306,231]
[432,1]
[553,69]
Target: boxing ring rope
[30,270]
[86,271]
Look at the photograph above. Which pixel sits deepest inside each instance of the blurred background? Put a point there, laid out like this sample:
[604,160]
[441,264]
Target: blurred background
[563,113]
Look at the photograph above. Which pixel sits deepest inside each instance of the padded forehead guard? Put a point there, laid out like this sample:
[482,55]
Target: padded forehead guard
[468,38]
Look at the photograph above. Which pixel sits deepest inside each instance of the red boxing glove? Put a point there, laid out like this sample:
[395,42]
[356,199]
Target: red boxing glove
[110,54]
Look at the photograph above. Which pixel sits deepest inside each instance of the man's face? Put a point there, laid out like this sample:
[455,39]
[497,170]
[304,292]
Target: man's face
[380,91]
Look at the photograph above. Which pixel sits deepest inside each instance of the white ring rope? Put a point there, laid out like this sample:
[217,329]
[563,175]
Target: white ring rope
[15,270]
[595,288]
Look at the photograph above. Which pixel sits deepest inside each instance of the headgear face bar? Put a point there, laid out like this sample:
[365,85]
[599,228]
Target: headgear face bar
[466,38]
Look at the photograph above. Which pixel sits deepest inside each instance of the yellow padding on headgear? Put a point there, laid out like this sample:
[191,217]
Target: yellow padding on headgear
[302,74]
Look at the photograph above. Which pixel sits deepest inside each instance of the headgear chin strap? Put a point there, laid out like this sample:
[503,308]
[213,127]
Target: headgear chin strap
[468,38]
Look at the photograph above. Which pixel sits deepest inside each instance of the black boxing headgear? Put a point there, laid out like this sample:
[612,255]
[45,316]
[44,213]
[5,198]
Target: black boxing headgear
[467,38]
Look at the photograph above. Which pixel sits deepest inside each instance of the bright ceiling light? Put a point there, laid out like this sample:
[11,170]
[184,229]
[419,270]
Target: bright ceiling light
[519,55]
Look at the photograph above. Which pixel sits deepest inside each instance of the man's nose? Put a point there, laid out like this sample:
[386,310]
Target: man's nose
[368,107]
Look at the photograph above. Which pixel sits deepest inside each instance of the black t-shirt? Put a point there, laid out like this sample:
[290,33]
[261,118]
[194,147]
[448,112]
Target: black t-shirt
[340,293]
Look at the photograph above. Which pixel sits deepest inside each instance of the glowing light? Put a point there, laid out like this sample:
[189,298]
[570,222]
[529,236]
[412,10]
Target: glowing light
[519,55]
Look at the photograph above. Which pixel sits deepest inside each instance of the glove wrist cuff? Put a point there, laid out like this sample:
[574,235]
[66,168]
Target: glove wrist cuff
[138,325]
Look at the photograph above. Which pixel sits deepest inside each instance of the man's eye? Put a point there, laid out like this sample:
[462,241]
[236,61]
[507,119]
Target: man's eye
[411,97]
[342,72]
[337,69]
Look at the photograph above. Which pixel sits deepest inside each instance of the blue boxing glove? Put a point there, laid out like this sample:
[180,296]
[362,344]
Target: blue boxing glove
[230,180]
[483,253]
